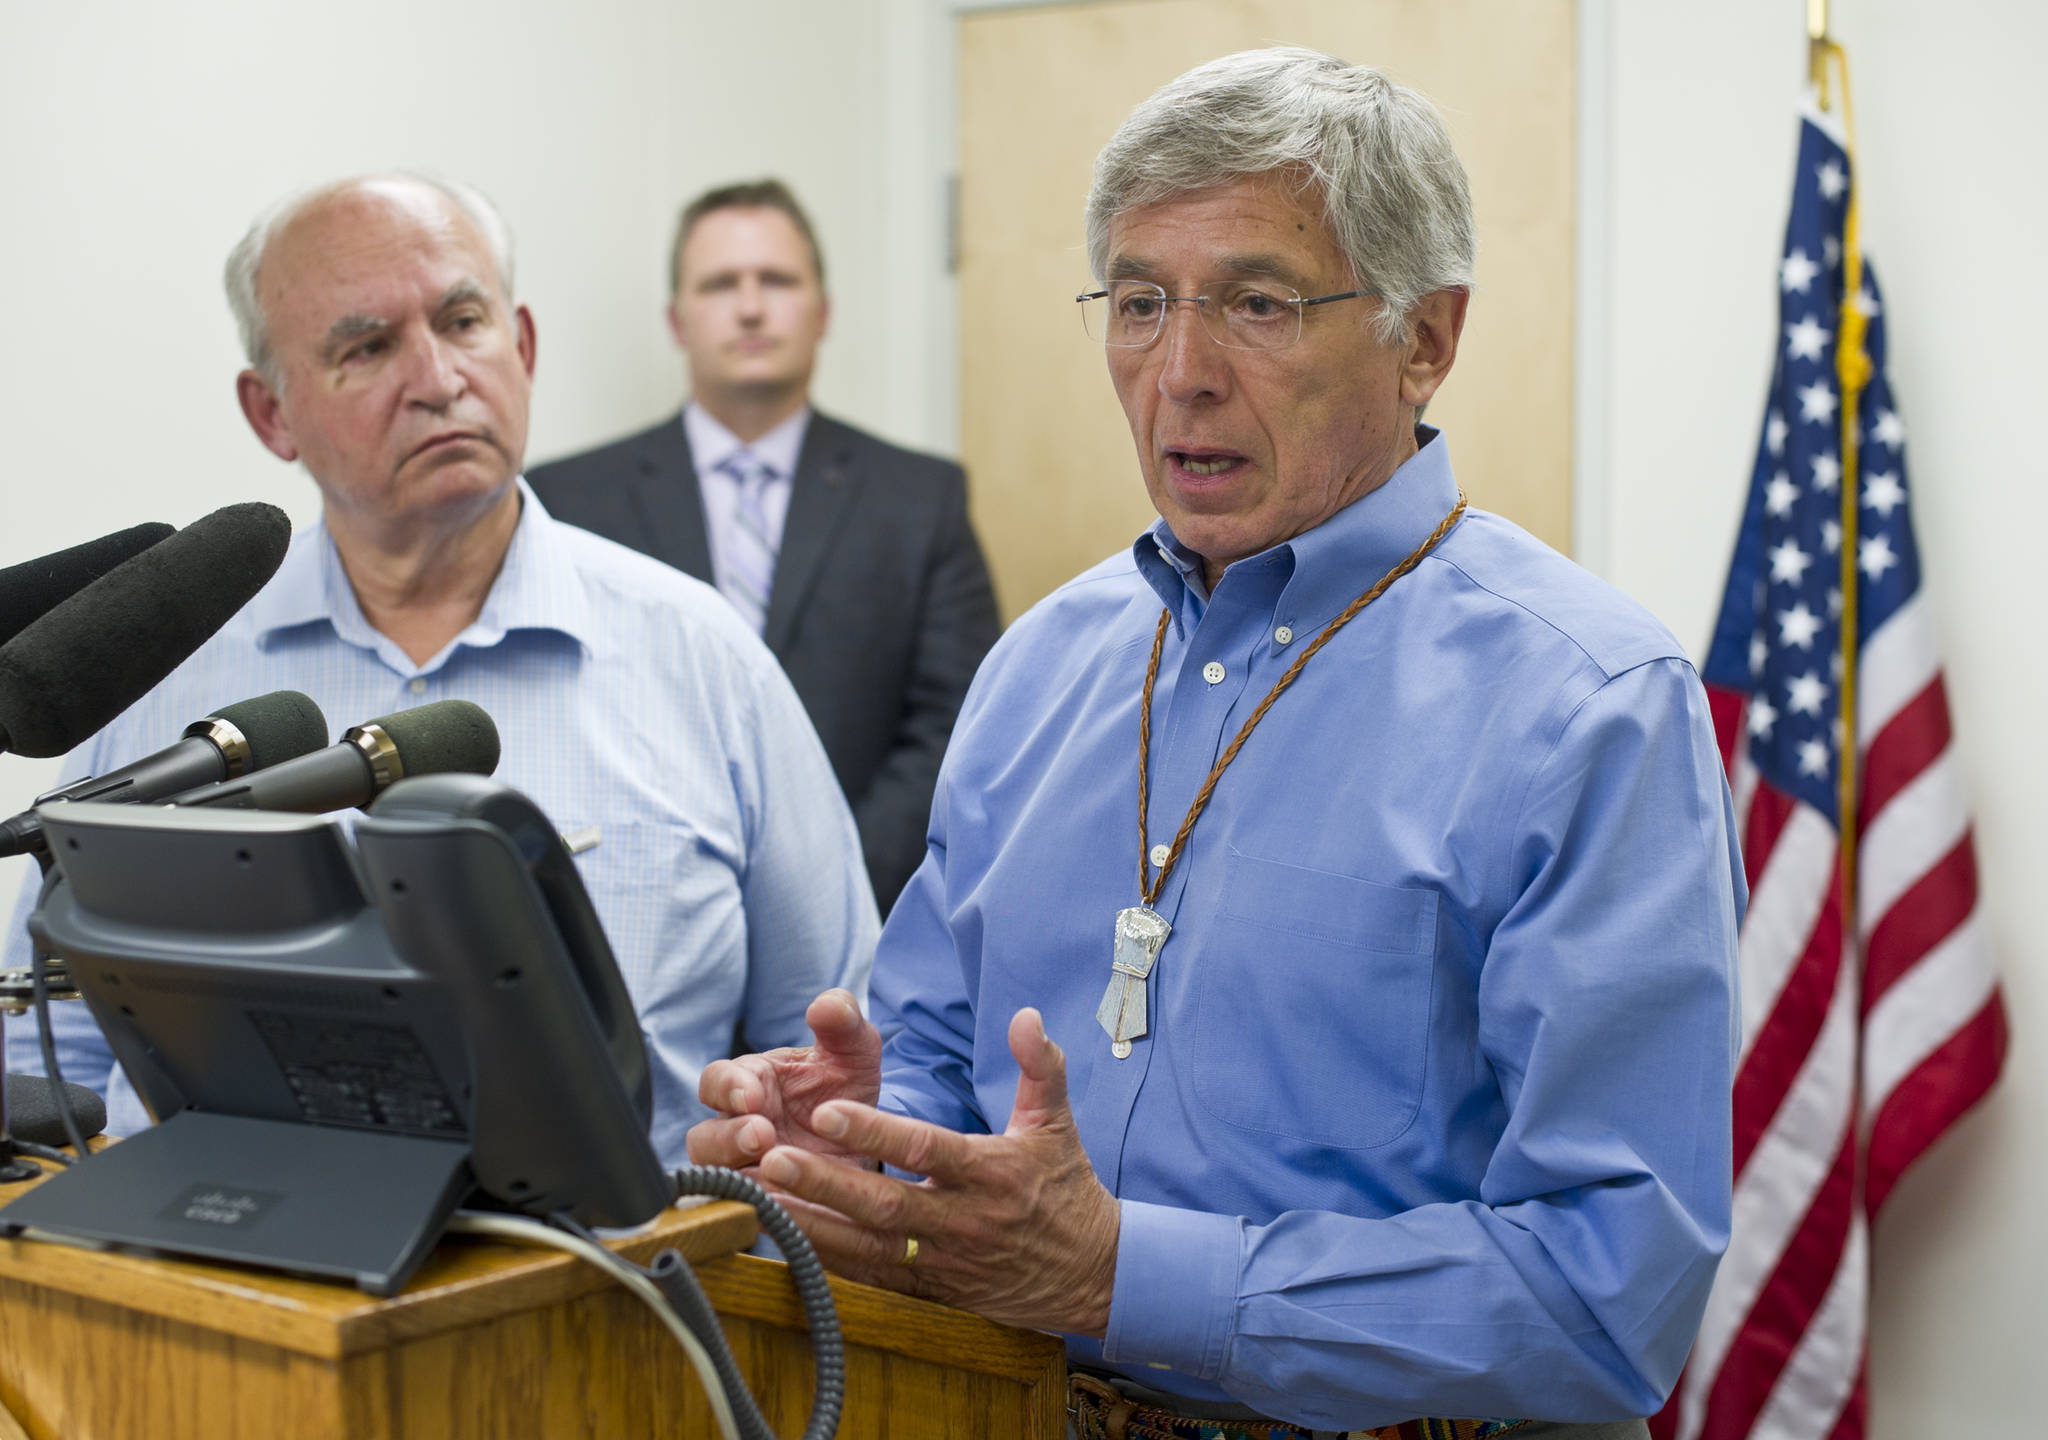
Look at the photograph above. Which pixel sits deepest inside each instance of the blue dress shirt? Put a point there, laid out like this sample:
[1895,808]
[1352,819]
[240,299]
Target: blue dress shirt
[628,697]
[1433,1114]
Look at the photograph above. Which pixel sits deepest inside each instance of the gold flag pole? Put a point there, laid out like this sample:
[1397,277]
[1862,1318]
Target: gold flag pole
[1817,48]
[1853,369]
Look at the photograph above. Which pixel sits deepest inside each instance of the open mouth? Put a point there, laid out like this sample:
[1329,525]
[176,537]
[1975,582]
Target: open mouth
[1202,464]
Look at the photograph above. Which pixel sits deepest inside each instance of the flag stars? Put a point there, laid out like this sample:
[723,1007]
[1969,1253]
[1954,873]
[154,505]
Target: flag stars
[1874,556]
[1889,430]
[1789,562]
[1884,494]
[1775,430]
[1759,652]
[1798,626]
[1805,340]
[1813,758]
[1817,402]
[1806,694]
[1762,716]
[1827,472]
[1831,536]
[1780,494]
[1831,251]
[1865,301]
[1835,667]
[1833,181]
[1834,592]
[1796,272]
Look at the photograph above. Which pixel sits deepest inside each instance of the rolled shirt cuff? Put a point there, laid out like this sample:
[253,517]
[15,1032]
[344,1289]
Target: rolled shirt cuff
[1175,1302]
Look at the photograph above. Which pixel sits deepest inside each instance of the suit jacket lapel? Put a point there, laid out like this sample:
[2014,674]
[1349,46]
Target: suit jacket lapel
[827,481]
[671,506]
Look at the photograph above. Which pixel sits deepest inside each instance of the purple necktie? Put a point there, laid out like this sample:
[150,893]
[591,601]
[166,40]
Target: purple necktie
[747,567]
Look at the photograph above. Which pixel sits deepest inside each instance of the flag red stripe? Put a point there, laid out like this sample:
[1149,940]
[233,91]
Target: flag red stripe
[1786,1305]
[1727,707]
[1938,1092]
[1788,1033]
[1768,813]
[1664,1424]
[1910,741]
[1927,914]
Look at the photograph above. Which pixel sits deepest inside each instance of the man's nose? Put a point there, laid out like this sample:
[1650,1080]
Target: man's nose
[434,379]
[1192,364]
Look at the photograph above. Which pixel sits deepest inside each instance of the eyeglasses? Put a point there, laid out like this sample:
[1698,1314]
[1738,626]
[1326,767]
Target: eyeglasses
[1238,314]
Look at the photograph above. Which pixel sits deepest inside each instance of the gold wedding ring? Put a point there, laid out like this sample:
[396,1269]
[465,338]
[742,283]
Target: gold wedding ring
[909,1250]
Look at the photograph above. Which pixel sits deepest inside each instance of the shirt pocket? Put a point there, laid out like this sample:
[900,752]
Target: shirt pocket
[1312,1004]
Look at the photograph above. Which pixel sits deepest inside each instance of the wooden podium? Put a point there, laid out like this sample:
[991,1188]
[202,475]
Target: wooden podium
[493,1341]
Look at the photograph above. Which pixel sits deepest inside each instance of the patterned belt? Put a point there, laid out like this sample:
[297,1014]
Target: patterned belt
[1099,1412]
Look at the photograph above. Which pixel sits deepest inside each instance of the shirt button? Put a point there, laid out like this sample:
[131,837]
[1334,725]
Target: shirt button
[1283,636]
[1159,854]
[419,685]
[1213,672]
[1121,1049]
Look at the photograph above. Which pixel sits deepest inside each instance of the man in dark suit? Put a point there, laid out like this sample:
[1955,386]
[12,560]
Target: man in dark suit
[853,558]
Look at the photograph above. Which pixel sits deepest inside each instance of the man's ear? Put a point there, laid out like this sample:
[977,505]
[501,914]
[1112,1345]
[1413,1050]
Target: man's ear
[674,316]
[1436,323]
[263,408]
[522,321]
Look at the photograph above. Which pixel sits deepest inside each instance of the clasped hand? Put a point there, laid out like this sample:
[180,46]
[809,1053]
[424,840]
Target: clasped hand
[1012,1226]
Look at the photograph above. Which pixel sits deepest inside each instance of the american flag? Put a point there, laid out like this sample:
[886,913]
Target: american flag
[1860,1044]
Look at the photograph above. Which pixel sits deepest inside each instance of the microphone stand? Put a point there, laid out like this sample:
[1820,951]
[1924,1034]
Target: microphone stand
[21,991]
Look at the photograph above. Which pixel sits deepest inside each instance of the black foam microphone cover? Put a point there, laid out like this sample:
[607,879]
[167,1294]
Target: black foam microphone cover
[32,1110]
[34,587]
[280,726]
[66,675]
[445,735]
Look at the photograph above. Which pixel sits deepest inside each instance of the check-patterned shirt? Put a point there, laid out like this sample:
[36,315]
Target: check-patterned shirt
[628,697]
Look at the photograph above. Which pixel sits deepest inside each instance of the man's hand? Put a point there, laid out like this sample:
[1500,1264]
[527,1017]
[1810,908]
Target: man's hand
[771,1099]
[1013,1226]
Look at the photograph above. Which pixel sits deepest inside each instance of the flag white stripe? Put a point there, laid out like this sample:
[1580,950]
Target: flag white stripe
[1918,826]
[1815,1384]
[1925,1007]
[1894,665]
[1744,789]
[1782,912]
[1784,1173]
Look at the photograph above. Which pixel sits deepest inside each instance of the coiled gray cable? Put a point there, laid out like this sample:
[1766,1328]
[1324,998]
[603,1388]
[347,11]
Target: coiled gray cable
[828,1348]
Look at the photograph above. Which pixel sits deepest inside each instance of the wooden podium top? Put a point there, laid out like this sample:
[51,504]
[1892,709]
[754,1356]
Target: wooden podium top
[491,1339]
[465,1280]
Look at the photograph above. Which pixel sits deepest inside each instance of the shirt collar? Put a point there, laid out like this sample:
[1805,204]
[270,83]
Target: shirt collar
[711,444]
[538,588]
[1323,569]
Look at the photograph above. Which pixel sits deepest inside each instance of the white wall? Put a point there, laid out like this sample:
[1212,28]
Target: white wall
[1950,113]
[140,138]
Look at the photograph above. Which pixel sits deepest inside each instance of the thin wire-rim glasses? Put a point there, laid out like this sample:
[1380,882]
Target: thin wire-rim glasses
[1236,314]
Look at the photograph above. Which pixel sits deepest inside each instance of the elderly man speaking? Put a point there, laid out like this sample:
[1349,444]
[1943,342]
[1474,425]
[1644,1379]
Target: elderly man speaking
[1318,996]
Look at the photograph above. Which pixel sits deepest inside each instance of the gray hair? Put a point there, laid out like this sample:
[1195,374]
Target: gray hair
[1393,189]
[245,261]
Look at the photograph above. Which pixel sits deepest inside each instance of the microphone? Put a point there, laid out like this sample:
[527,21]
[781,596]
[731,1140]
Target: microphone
[235,740]
[32,1113]
[92,656]
[33,587]
[446,735]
